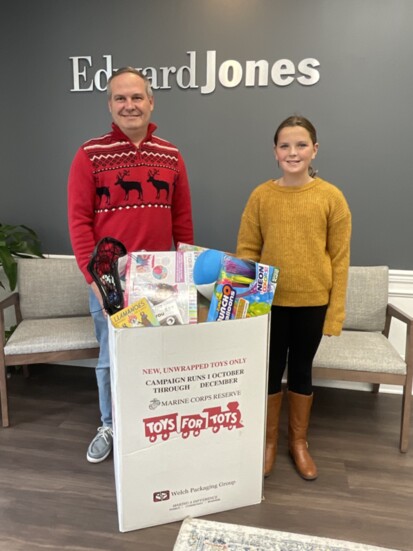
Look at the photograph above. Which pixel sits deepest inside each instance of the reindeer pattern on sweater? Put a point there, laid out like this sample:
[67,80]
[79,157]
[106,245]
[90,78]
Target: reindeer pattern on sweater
[146,176]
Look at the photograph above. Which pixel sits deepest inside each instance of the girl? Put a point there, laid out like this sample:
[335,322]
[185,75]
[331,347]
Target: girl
[301,224]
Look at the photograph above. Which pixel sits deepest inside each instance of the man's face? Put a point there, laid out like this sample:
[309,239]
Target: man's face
[130,105]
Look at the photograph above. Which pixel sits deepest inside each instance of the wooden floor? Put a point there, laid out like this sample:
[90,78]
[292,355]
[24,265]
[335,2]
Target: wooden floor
[51,498]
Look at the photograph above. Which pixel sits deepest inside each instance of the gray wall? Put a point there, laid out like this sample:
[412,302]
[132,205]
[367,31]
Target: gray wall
[361,105]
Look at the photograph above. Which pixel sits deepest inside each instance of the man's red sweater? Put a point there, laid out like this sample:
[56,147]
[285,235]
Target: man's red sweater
[139,196]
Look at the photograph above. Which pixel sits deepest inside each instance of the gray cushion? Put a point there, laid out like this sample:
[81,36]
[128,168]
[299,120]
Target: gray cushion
[367,297]
[51,287]
[359,351]
[49,335]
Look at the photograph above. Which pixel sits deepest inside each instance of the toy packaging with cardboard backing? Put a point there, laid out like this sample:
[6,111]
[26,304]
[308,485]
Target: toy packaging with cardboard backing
[165,280]
[243,289]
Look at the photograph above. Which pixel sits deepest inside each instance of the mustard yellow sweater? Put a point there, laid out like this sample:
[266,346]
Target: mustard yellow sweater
[305,231]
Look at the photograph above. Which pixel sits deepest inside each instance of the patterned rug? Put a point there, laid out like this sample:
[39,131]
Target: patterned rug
[204,535]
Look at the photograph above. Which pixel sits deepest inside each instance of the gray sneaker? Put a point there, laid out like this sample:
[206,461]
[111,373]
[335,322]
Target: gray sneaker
[101,445]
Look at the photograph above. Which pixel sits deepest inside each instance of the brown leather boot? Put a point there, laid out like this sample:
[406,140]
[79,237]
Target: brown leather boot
[299,408]
[273,416]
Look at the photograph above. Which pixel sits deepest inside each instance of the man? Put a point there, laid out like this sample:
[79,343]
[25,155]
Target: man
[131,185]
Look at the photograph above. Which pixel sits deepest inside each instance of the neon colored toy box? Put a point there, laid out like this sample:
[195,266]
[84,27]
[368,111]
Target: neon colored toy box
[244,289]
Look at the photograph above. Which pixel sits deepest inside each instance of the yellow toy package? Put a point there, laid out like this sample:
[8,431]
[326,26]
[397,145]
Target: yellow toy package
[137,314]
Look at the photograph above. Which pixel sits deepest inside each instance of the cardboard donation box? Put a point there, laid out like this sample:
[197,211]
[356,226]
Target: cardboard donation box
[189,406]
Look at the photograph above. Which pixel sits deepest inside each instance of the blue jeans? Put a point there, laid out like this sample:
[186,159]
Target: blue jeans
[103,365]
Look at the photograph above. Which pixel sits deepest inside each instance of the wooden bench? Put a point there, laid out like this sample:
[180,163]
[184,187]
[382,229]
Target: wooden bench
[363,352]
[53,319]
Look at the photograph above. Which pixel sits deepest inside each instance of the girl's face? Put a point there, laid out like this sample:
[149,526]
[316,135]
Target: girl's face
[295,150]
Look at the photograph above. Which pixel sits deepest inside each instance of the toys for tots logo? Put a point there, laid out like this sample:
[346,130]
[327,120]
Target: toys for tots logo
[213,418]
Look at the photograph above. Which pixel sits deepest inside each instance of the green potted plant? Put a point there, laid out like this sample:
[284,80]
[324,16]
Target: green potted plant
[15,241]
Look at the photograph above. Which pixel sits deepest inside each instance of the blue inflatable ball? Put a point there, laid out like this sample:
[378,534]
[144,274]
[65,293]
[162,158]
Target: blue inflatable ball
[207,267]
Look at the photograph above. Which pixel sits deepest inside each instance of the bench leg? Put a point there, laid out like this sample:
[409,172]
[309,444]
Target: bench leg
[405,424]
[3,394]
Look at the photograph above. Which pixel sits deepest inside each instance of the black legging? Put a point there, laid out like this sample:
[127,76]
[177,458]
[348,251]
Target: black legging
[295,334]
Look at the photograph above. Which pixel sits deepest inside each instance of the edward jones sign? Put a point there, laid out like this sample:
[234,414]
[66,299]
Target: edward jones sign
[203,73]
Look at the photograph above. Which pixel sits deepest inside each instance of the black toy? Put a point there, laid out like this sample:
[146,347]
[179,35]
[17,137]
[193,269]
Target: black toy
[104,270]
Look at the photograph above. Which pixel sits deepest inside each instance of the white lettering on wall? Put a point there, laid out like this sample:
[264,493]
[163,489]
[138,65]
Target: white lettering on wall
[187,71]
[228,74]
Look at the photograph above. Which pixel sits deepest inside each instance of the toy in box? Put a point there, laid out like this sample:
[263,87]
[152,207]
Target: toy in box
[243,289]
[137,314]
[165,280]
